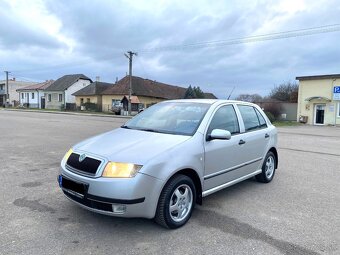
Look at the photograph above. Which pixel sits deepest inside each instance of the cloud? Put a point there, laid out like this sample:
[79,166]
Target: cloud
[51,38]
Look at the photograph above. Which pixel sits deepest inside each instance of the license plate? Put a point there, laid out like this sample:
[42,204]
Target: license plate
[73,186]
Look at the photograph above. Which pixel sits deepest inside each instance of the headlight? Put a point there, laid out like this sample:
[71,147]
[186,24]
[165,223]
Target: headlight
[67,155]
[120,170]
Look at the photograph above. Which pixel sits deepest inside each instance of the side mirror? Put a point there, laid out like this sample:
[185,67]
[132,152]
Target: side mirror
[220,134]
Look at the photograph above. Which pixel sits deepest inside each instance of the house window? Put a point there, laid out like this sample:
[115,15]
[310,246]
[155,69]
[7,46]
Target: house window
[339,110]
[22,95]
[81,100]
[32,95]
[49,98]
[60,97]
[2,86]
[88,100]
[134,107]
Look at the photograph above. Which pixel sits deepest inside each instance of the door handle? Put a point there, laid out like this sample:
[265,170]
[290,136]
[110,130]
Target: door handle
[241,142]
[266,136]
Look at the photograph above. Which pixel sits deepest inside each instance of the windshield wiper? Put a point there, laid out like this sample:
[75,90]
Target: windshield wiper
[124,126]
[149,130]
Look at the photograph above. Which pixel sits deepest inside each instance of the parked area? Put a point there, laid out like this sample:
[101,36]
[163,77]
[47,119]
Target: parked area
[297,213]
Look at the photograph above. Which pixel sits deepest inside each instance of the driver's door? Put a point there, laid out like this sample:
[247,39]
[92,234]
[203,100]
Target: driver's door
[222,157]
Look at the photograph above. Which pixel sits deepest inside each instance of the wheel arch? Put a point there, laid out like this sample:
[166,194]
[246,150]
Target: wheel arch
[193,175]
[274,151]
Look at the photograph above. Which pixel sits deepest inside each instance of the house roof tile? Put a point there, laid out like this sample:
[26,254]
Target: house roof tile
[95,88]
[149,88]
[37,86]
[66,81]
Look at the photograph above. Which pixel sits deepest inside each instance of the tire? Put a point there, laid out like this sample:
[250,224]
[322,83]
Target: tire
[180,194]
[268,168]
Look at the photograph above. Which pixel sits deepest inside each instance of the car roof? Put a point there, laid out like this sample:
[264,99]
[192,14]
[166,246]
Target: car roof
[207,101]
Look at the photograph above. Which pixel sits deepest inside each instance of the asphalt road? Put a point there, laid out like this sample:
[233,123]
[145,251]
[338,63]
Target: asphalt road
[297,213]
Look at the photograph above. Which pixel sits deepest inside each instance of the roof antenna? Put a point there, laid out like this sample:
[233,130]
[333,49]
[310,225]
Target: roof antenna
[231,93]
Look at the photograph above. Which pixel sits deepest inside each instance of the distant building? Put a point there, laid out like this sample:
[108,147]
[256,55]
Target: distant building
[145,93]
[319,99]
[285,111]
[59,95]
[13,85]
[91,94]
[33,96]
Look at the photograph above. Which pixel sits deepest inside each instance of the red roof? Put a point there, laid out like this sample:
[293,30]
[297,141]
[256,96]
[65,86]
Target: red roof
[37,86]
[145,87]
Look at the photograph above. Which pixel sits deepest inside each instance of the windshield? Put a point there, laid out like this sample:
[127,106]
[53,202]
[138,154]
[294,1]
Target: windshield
[171,117]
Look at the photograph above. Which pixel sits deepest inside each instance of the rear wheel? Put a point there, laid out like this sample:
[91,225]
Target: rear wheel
[268,168]
[176,202]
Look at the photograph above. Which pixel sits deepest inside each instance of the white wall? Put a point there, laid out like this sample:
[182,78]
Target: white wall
[28,97]
[74,88]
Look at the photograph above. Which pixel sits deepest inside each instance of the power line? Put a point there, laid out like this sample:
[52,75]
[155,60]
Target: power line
[249,39]
[208,44]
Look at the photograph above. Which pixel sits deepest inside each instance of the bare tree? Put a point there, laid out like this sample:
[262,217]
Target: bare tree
[286,92]
[249,97]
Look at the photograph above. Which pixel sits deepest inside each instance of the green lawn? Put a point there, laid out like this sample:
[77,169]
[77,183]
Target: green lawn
[286,123]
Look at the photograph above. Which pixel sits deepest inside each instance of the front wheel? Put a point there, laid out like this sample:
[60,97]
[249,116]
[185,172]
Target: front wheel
[268,168]
[176,202]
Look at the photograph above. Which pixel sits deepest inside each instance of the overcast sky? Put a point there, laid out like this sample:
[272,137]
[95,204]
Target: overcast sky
[42,40]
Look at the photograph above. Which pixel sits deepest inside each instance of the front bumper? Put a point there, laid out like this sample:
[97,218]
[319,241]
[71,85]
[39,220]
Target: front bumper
[138,195]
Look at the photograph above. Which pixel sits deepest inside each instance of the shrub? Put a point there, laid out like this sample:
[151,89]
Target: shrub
[91,106]
[270,116]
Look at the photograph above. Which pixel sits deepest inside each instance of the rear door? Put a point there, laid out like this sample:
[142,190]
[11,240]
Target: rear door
[255,138]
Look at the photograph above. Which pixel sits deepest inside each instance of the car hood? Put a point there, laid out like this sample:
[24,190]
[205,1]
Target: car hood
[130,146]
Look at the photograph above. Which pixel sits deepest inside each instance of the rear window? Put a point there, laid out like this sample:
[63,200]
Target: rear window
[251,117]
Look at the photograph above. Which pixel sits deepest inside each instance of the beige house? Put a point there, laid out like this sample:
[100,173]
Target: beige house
[145,93]
[319,99]
[91,94]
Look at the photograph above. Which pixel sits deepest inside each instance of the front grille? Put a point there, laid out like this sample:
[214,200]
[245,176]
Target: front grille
[90,203]
[88,165]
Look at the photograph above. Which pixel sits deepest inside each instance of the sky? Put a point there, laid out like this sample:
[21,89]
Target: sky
[46,39]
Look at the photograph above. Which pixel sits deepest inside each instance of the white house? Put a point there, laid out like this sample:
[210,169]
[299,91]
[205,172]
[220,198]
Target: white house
[59,94]
[33,96]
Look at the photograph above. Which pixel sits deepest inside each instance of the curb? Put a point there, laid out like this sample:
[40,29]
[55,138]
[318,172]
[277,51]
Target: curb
[69,113]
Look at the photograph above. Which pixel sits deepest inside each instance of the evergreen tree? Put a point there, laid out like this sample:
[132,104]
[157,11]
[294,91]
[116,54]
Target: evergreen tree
[199,93]
[189,93]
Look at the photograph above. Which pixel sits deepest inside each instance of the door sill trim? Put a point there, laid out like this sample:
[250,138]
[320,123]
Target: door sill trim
[225,185]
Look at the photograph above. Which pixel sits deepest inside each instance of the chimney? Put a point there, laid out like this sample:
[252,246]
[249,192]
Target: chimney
[116,80]
[97,78]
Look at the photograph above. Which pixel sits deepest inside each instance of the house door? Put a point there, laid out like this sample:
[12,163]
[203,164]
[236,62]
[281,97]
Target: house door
[42,102]
[319,114]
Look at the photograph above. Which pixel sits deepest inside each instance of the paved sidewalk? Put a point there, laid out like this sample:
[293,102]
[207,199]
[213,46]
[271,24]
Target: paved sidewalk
[67,112]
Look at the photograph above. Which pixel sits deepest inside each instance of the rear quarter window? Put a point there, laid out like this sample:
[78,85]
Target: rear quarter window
[250,117]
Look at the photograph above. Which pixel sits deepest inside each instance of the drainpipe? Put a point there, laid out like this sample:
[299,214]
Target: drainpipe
[38,99]
[64,99]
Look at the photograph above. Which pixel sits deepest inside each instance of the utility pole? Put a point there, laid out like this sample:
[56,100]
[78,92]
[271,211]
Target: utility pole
[7,92]
[129,55]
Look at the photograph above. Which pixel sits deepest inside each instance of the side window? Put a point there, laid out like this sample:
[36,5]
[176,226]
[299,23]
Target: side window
[225,118]
[249,116]
[261,119]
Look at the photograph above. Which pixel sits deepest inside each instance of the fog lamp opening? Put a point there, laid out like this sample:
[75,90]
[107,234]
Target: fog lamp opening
[118,209]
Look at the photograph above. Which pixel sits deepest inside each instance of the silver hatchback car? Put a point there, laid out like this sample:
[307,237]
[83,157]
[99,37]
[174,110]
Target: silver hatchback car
[167,158]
